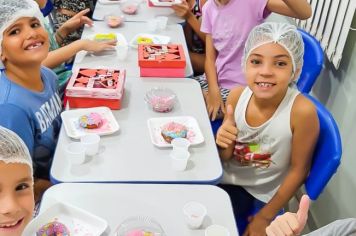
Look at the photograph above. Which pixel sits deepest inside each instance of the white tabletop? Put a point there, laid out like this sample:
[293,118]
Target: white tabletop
[130,63]
[143,14]
[164,203]
[130,156]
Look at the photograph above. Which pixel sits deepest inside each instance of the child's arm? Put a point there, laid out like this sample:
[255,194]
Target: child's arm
[213,100]
[227,133]
[305,129]
[299,9]
[63,54]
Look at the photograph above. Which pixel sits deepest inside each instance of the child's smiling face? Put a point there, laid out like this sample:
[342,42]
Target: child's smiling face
[25,43]
[269,70]
[16,198]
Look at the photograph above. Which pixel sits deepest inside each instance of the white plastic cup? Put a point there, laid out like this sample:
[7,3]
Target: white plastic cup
[162,22]
[91,143]
[217,230]
[179,160]
[152,25]
[75,152]
[180,144]
[194,213]
[122,52]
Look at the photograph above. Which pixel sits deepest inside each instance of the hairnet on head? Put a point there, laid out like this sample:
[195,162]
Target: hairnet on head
[12,10]
[284,34]
[13,149]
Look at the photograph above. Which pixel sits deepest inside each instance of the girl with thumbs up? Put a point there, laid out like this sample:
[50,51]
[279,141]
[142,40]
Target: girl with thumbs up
[270,130]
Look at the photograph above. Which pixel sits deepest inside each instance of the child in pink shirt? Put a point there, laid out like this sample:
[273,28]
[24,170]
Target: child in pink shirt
[227,24]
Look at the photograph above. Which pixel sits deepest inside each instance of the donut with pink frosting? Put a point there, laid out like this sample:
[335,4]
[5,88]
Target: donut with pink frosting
[54,228]
[173,130]
[92,120]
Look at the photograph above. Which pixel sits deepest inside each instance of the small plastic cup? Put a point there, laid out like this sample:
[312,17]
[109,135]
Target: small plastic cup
[160,99]
[91,143]
[122,52]
[217,230]
[114,21]
[161,22]
[179,160]
[194,213]
[129,8]
[152,25]
[180,144]
[75,152]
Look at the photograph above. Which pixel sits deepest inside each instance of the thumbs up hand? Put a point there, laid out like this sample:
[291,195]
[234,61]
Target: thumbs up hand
[227,132]
[290,223]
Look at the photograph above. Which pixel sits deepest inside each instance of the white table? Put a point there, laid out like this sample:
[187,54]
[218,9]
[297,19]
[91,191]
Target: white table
[144,12]
[130,63]
[164,203]
[130,156]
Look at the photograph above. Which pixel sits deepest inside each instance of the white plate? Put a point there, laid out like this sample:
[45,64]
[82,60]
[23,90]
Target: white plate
[156,39]
[78,221]
[159,3]
[110,1]
[194,135]
[70,121]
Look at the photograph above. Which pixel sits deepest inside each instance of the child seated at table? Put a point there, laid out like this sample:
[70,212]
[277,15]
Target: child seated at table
[270,130]
[29,103]
[16,184]
[191,11]
[60,53]
[227,24]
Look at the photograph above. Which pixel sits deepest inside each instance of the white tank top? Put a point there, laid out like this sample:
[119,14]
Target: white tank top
[262,154]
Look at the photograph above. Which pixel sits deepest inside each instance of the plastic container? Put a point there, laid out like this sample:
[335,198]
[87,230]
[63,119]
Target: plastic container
[114,21]
[139,225]
[160,99]
[129,8]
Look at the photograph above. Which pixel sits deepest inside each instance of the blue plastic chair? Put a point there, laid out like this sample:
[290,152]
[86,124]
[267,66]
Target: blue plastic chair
[327,154]
[313,62]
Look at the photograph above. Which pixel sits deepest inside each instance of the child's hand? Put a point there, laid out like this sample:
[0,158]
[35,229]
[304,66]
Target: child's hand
[93,46]
[75,22]
[257,226]
[227,132]
[182,9]
[214,103]
[290,223]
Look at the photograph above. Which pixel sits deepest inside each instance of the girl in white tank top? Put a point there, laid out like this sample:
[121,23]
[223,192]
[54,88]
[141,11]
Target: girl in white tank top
[269,132]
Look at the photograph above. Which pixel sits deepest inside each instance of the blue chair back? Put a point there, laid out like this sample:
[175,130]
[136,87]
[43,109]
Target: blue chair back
[327,154]
[313,62]
[48,8]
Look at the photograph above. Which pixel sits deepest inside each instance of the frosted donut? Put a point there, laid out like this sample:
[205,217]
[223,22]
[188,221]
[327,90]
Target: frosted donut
[54,228]
[92,120]
[173,130]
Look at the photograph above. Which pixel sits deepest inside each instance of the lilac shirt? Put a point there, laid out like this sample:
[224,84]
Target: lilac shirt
[229,27]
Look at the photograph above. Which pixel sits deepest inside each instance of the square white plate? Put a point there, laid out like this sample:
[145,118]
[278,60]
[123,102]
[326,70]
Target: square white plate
[78,221]
[159,3]
[156,39]
[194,135]
[70,119]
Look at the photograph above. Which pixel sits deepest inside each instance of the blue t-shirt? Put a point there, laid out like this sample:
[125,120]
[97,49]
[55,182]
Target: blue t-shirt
[34,116]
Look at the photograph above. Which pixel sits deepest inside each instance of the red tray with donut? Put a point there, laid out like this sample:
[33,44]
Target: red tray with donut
[93,87]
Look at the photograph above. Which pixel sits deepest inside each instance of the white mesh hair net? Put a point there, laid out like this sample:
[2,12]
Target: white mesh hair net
[13,149]
[284,34]
[12,10]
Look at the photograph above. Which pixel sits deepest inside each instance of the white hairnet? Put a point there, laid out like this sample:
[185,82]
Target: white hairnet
[13,149]
[12,10]
[284,34]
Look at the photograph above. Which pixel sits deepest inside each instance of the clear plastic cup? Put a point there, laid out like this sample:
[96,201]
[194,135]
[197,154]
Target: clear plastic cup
[217,230]
[162,22]
[194,213]
[179,160]
[122,52]
[129,8]
[91,143]
[75,152]
[180,144]
[152,25]
[114,21]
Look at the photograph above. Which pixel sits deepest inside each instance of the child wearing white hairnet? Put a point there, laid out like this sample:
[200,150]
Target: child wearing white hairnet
[16,184]
[29,102]
[270,130]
